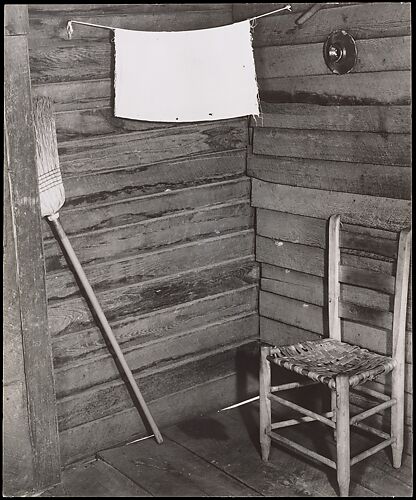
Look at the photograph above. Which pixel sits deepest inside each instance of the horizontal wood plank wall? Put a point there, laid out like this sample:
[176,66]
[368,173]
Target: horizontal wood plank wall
[160,217]
[326,144]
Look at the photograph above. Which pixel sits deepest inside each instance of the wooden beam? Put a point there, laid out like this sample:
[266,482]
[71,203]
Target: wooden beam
[17,448]
[20,161]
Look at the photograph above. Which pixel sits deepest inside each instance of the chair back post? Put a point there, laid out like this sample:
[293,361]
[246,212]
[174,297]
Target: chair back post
[400,295]
[333,277]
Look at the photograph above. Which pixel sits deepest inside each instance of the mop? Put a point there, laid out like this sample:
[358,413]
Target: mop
[52,198]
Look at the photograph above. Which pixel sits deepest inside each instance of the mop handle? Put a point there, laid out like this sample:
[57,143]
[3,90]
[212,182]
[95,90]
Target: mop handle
[97,309]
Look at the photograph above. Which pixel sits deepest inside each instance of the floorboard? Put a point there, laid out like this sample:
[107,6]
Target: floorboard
[218,455]
[374,476]
[172,470]
[225,442]
[95,479]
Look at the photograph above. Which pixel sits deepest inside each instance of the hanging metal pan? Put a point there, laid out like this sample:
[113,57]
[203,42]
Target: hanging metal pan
[340,52]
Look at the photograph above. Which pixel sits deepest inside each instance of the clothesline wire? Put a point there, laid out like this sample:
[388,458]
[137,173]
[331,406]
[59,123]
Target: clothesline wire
[70,29]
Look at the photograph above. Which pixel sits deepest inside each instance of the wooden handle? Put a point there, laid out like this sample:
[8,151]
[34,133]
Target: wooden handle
[103,320]
[308,14]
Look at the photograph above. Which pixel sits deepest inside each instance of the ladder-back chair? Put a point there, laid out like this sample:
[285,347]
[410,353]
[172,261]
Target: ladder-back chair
[343,366]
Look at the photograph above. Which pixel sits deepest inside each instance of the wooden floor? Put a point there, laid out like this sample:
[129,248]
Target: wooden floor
[218,455]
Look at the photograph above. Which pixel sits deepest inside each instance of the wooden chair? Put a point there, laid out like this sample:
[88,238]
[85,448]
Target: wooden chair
[342,366]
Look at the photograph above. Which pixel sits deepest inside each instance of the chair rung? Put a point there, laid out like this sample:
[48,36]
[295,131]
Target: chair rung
[309,413]
[292,385]
[302,449]
[371,451]
[370,429]
[295,421]
[371,392]
[371,411]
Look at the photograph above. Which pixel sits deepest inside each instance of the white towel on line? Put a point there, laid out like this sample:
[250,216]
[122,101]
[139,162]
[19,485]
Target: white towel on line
[185,76]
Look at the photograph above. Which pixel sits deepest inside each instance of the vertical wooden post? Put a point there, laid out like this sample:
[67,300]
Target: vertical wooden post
[265,405]
[399,332]
[334,320]
[333,278]
[30,272]
[343,434]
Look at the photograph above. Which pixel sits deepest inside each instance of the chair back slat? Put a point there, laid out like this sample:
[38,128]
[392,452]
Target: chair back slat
[393,319]
[367,279]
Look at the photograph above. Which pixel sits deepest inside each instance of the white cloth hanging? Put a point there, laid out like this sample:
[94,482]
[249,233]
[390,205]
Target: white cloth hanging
[185,76]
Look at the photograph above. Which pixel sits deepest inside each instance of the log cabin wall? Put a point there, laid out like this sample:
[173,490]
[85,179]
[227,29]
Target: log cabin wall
[326,144]
[160,217]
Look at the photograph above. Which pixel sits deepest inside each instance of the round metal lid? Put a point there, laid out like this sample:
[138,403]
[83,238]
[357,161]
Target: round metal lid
[340,52]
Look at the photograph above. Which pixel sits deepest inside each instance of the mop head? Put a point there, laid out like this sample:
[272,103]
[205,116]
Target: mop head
[51,188]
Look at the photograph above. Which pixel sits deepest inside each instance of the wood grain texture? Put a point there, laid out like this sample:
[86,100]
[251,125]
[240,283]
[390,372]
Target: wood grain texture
[13,362]
[115,8]
[379,88]
[51,64]
[359,20]
[74,315]
[302,101]
[355,147]
[289,255]
[16,20]
[246,10]
[294,256]
[185,474]
[68,96]
[369,279]
[143,148]
[177,407]
[116,271]
[95,478]
[171,321]
[63,62]
[344,176]
[37,352]
[84,123]
[150,209]
[309,288]
[382,119]
[312,231]
[306,59]
[229,440]
[78,376]
[110,398]
[18,468]
[293,312]
[48,24]
[393,88]
[89,53]
[128,241]
[366,315]
[381,213]
[131,182]
[142,208]
[277,333]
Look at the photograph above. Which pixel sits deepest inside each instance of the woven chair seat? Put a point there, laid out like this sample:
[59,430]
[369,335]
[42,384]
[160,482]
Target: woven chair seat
[323,360]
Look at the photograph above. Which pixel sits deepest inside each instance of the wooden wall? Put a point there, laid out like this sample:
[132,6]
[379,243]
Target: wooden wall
[327,144]
[160,216]
[30,432]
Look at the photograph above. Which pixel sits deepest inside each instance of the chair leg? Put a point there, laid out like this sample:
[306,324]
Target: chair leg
[334,410]
[397,414]
[343,434]
[265,405]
